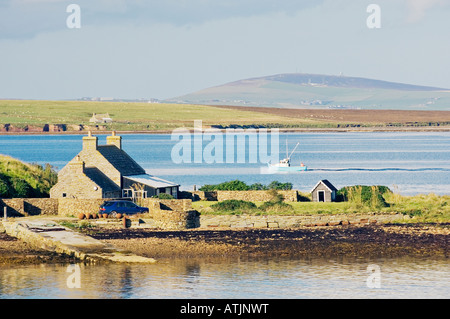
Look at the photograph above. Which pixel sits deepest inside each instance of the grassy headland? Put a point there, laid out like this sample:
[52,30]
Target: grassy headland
[20,180]
[71,116]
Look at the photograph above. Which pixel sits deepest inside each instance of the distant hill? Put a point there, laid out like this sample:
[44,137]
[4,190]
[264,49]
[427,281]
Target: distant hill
[321,91]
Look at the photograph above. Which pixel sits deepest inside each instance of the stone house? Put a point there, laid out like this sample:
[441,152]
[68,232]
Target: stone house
[324,191]
[107,171]
[100,118]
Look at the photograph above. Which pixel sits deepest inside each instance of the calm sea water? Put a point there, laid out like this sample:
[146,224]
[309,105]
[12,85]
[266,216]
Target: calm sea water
[408,163]
[234,279]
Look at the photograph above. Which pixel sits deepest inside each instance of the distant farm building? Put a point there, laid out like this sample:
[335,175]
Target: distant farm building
[324,191]
[100,118]
[107,171]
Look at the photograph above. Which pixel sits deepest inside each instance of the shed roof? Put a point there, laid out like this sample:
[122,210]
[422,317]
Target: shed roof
[151,181]
[327,184]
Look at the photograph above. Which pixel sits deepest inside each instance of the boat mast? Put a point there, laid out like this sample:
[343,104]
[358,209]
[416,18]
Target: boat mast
[293,150]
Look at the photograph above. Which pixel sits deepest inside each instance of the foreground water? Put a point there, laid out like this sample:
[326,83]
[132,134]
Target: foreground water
[408,163]
[236,278]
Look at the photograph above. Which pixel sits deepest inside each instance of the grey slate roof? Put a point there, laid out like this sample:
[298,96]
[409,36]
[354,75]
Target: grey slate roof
[120,160]
[101,179]
[327,184]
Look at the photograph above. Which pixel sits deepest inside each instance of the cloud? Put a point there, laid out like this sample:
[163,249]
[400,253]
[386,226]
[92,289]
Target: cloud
[418,8]
[27,18]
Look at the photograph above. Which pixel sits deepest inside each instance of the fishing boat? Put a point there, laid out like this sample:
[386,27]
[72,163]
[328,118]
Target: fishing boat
[285,164]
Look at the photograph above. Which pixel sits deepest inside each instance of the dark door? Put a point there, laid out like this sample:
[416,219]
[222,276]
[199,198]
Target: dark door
[321,195]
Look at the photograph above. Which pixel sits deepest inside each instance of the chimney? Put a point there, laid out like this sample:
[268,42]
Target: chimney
[76,166]
[90,142]
[114,140]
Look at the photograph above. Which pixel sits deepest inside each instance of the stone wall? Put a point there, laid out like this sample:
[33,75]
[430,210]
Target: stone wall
[29,206]
[256,196]
[178,205]
[73,207]
[277,221]
[198,195]
[176,220]
[252,196]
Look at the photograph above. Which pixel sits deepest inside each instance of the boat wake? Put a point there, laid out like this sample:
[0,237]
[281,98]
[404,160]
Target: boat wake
[380,169]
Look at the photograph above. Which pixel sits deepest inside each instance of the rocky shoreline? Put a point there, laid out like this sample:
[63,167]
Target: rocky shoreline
[64,129]
[369,241]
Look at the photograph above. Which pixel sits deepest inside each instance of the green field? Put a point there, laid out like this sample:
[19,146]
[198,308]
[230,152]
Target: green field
[429,208]
[130,116]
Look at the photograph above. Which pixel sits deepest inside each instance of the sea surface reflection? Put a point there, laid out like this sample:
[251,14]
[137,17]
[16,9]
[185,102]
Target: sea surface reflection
[270,278]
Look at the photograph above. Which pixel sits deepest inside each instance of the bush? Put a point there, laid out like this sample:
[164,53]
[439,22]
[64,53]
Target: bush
[280,186]
[163,196]
[21,188]
[370,196]
[258,187]
[4,186]
[238,185]
[234,205]
[235,185]
[276,207]
[276,203]
[19,179]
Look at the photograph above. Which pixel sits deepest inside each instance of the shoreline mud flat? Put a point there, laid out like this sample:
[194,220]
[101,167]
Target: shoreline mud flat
[361,129]
[352,241]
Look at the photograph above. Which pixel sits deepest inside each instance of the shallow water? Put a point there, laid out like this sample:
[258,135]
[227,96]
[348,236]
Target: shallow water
[265,278]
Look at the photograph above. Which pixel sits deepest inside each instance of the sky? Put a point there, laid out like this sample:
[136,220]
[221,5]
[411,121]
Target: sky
[133,49]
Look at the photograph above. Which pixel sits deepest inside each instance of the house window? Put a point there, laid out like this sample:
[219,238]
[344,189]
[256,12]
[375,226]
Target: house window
[64,195]
[127,193]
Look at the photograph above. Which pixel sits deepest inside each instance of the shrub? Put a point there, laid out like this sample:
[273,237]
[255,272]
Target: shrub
[257,187]
[19,179]
[4,186]
[234,205]
[238,185]
[235,185]
[163,196]
[369,196]
[280,186]
[276,207]
[276,203]
[21,188]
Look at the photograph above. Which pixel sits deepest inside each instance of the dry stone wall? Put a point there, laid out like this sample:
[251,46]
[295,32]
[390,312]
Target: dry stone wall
[155,204]
[277,221]
[256,196]
[176,220]
[73,207]
[252,196]
[29,206]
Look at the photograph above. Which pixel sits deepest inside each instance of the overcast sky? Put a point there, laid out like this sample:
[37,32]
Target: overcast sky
[163,49]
